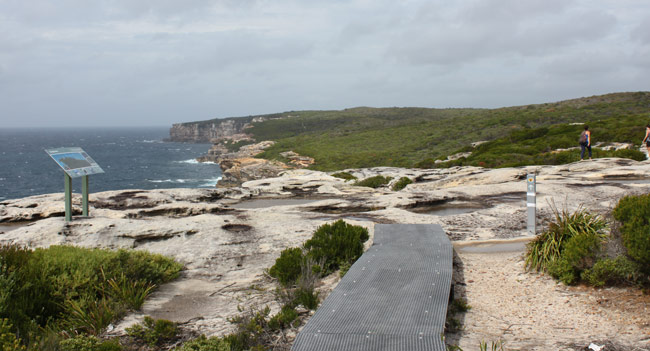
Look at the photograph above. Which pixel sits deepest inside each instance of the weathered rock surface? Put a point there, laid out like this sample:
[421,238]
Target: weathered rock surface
[226,238]
[241,166]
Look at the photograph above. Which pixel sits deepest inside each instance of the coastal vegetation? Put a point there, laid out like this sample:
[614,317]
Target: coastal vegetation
[417,137]
[401,183]
[49,294]
[374,182]
[573,248]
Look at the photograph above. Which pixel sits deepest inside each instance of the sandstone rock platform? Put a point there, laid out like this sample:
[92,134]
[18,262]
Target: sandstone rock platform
[226,238]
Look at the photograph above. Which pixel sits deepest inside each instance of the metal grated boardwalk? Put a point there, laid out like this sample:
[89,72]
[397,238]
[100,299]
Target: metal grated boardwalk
[394,298]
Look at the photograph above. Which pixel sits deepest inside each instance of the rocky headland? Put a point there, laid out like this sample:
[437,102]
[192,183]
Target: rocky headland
[242,166]
[227,237]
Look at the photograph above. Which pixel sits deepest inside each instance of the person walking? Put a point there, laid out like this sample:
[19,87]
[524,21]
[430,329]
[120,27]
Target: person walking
[585,143]
[646,140]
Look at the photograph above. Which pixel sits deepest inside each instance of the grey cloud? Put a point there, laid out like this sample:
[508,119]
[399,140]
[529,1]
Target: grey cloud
[454,42]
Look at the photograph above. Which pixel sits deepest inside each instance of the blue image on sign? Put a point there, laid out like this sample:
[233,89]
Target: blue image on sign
[74,161]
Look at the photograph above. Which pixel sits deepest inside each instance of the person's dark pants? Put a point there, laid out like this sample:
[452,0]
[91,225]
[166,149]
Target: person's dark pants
[582,150]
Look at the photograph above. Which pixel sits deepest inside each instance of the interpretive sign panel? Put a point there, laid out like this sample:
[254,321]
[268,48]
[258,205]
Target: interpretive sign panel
[74,161]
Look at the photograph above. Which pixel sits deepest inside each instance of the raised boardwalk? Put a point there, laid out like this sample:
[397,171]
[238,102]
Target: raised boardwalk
[393,298]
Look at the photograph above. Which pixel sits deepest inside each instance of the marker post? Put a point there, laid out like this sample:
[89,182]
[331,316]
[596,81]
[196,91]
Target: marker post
[531,202]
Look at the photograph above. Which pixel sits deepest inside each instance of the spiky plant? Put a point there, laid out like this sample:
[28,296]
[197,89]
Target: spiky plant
[548,246]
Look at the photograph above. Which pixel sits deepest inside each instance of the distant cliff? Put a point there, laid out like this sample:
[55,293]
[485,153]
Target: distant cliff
[215,130]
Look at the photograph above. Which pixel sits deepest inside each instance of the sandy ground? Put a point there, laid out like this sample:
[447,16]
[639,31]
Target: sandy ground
[529,311]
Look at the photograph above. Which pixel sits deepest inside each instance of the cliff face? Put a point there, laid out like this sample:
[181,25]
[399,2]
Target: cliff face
[215,130]
[206,132]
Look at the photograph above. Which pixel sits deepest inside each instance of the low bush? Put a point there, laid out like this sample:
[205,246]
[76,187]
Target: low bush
[337,243]
[620,270]
[374,182]
[344,175]
[202,343]
[634,214]
[579,253]
[631,154]
[402,183]
[70,288]
[287,267]
[550,244]
[153,332]
[306,297]
[89,343]
[344,268]
[8,340]
[284,318]
[253,331]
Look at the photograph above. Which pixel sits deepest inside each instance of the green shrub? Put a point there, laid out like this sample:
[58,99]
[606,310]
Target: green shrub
[344,175]
[74,288]
[284,319]
[631,154]
[89,343]
[306,297]
[335,244]
[153,332]
[8,340]
[131,293]
[91,316]
[578,254]
[619,270]
[459,305]
[202,343]
[550,244]
[344,268]
[287,267]
[252,331]
[634,214]
[374,182]
[402,183]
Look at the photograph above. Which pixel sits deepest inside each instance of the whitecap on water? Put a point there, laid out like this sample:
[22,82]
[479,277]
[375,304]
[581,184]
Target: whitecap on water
[181,181]
[191,161]
[160,180]
[210,182]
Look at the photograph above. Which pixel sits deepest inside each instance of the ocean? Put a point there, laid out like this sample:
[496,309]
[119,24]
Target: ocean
[132,158]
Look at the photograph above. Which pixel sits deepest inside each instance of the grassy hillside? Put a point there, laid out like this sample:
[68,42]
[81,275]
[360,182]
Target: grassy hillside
[407,137]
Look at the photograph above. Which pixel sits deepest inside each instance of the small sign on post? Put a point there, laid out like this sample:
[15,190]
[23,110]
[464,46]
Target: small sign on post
[75,162]
[531,202]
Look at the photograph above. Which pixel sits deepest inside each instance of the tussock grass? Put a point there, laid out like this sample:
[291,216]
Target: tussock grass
[549,245]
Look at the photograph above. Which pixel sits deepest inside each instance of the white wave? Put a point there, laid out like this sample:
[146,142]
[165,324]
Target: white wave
[192,161]
[1,179]
[160,180]
[178,181]
[210,182]
[150,141]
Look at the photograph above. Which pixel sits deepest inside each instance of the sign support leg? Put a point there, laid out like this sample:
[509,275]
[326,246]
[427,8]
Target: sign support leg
[84,195]
[68,198]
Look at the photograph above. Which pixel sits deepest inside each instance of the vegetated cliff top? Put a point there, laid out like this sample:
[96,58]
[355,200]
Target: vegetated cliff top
[410,136]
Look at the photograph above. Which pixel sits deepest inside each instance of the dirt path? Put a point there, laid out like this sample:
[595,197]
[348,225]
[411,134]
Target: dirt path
[532,312]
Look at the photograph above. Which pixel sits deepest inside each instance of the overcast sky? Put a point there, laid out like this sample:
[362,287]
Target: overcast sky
[158,62]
